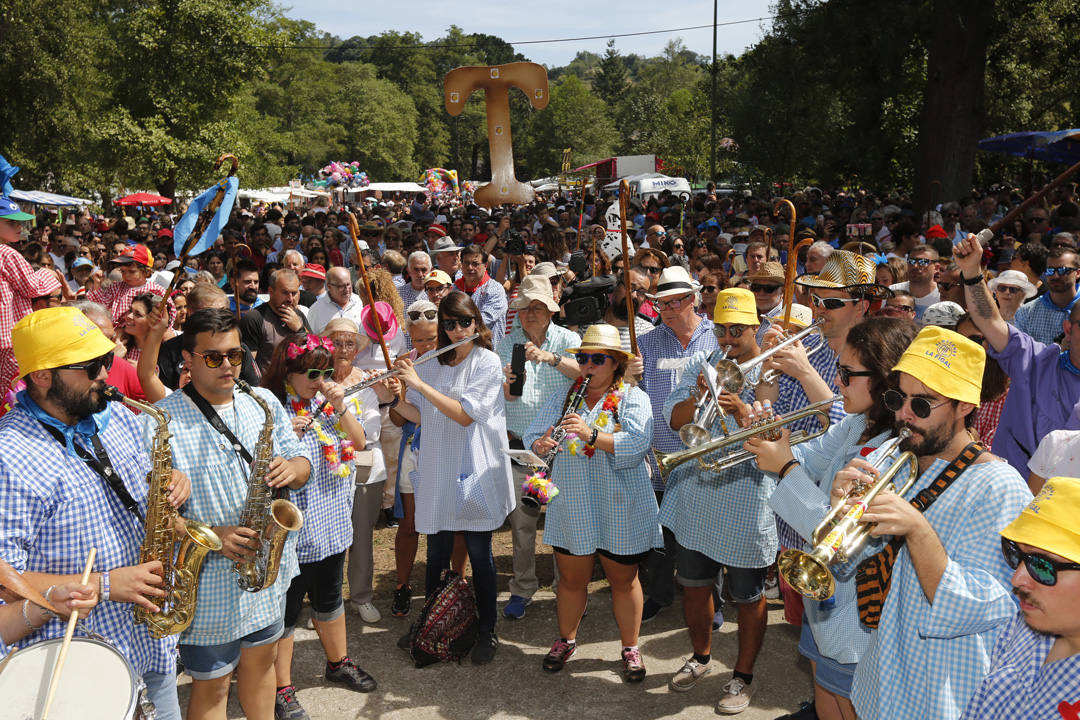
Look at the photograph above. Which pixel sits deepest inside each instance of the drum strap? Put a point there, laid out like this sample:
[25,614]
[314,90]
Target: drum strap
[99,462]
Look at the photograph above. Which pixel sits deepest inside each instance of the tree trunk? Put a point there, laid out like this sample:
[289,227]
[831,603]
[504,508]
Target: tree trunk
[167,187]
[954,102]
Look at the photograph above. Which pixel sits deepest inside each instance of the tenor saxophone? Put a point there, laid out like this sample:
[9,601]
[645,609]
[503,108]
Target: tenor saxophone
[272,519]
[179,568]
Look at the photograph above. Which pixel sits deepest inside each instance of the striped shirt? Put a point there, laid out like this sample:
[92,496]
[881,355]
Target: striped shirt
[605,502]
[55,508]
[541,380]
[1021,685]
[949,641]
[724,514]
[219,487]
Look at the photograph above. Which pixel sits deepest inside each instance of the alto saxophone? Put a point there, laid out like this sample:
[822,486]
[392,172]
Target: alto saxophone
[179,573]
[272,519]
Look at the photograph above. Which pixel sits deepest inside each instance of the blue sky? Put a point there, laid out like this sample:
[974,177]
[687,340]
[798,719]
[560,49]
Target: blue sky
[513,20]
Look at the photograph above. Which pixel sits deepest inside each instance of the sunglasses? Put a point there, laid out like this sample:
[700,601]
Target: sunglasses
[831,303]
[1042,570]
[94,367]
[845,373]
[976,339]
[734,331]
[650,269]
[1008,289]
[213,358]
[415,315]
[592,358]
[758,288]
[919,262]
[895,400]
[673,304]
[450,323]
[316,373]
[897,309]
[709,288]
[947,286]
[1059,271]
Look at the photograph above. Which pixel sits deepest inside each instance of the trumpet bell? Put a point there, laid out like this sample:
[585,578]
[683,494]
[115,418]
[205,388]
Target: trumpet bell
[693,435]
[807,573]
[729,377]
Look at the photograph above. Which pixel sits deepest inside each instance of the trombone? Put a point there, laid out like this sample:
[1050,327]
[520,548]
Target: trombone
[734,377]
[666,462]
[837,539]
[706,410]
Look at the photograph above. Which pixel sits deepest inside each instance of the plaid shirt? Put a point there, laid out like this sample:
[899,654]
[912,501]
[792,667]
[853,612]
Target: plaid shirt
[949,641]
[219,487]
[55,508]
[987,418]
[117,298]
[541,380]
[19,284]
[1042,319]
[604,502]
[1020,683]
[490,299]
[721,514]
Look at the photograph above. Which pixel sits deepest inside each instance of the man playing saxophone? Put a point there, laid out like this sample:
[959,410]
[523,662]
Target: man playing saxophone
[216,432]
[72,478]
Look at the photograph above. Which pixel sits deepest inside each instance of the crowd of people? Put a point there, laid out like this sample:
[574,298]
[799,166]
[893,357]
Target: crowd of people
[331,382]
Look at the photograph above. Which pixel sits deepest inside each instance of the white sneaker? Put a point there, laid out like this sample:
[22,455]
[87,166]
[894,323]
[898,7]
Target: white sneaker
[368,612]
[688,675]
[736,697]
[772,588]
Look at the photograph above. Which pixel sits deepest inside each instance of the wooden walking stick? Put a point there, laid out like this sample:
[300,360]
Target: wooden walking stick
[73,620]
[354,231]
[624,200]
[792,259]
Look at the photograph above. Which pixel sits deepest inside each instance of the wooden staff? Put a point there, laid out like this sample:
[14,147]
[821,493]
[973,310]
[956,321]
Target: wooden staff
[236,274]
[792,259]
[1033,199]
[12,582]
[624,200]
[581,208]
[354,231]
[73,620]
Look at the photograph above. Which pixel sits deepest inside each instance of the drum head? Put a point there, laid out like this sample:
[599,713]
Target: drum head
[95,682]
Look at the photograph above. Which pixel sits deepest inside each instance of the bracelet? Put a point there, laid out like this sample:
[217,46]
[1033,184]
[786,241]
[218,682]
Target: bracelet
[595,434]
[787,466]
[26,618]
[48,599]
[973,281]
[104,586]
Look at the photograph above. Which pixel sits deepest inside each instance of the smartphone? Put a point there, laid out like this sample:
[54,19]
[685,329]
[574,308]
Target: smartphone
[517,366]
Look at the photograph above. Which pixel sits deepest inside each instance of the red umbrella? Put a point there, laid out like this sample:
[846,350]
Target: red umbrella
[143,199]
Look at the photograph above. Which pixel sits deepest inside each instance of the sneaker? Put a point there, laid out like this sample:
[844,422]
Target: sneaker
[772,588]
[717,620]
[483,651]
[405,641]
[560,652]
[348,673]
[806,711]
[688,675]
[388,517]
[287,707]
[402,601]
[736,697]
[515,609]
[368,612]
[650,609]
[633,666]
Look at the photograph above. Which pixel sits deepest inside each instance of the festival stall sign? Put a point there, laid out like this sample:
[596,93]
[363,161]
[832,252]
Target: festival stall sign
[142,198]
[496,81]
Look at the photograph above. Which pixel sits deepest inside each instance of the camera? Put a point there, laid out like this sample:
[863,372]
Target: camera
[588,300]
[515,244]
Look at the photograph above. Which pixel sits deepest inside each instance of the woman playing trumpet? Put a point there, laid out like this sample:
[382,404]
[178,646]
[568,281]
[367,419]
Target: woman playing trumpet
[605,505]
[832,637]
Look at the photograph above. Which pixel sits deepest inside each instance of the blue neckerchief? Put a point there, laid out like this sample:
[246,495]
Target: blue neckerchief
[1050,303]
[85,428]
[1065,363]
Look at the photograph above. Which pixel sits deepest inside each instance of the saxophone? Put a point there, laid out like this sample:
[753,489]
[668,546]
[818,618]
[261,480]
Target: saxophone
[180,574]
[272,519]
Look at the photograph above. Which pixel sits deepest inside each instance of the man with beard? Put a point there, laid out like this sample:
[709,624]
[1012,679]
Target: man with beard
[948,597]
[1042,318]
[489,296]
[616,310]
[1035,671]
[72,478]
[248,291]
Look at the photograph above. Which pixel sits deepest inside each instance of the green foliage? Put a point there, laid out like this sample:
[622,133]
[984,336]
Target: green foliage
[575,118]
[611,81]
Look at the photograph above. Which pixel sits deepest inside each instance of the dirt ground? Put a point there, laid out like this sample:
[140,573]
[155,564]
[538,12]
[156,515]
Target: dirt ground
[514,686]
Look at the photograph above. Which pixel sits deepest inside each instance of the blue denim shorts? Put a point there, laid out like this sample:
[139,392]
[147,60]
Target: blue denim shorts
[834,676]
[695,569]
[207,662]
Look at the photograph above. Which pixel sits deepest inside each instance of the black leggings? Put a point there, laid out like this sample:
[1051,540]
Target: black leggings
[439,548]
[320,581]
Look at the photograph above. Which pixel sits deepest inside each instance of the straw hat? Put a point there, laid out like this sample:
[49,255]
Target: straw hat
[770,272]
[847,271]
[535,287]
[601,338]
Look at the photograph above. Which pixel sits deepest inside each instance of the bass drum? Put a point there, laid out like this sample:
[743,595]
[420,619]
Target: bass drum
[96,682]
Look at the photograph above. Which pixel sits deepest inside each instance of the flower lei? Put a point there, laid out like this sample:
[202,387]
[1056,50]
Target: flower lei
[340,466]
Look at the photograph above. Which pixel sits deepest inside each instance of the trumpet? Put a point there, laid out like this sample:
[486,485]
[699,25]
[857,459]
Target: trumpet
[666,462]
[836,540]
[706,410]
[734,377]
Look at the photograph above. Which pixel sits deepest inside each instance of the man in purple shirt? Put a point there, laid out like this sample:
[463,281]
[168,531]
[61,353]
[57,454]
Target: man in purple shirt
[1045,384]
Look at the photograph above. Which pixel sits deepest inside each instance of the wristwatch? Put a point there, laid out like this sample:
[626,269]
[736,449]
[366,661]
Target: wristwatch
[555,360]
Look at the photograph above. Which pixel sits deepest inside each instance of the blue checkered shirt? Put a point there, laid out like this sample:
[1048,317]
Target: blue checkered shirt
[1042,319]
[802,499]
[605,502]
[926,660]
[723,515]
[219,487]
[55,508]
[660,344]
[1020,683]
[541,380]
[409,295]
[490,299]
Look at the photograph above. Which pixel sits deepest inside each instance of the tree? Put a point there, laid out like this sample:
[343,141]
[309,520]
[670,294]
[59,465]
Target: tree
[611,81]
[575,118]
[380,123]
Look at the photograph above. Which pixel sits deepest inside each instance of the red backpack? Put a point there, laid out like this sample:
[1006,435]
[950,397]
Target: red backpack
[446,628]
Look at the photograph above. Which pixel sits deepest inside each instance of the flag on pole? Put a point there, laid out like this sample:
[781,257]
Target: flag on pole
[183,229]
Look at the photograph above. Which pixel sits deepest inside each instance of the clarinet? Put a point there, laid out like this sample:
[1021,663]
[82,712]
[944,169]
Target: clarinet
[559,432]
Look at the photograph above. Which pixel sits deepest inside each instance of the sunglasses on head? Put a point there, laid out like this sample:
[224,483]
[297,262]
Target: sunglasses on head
[414,315]
[831,303]
[734,331]
[1059,271]
[450,323]
[94,367]
[591,358]
[1042,569]
[316,373]
[845,373]
[895,400]
[213,358]
[919,262]
[759,288]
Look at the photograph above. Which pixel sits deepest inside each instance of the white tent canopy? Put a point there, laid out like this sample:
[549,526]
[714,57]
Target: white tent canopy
[279,194]
[405,187]
[39,197]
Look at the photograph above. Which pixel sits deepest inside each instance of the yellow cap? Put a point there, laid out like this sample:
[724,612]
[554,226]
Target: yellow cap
[54,337]
[1049,521]
[735,306]
[946,362]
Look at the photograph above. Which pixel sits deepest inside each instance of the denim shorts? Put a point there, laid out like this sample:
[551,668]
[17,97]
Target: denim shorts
[695,569]
[834,676]
[207,662]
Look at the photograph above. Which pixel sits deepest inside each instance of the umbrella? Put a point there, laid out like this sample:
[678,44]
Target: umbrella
[143,199]
[1060,146]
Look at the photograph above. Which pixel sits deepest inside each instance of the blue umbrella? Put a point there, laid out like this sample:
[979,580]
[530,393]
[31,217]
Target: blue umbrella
[1060,146]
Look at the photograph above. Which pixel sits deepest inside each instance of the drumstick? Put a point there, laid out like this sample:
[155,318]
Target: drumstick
[73,619]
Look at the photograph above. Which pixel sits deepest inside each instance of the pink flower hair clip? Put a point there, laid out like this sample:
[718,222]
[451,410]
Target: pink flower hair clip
[313,342]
